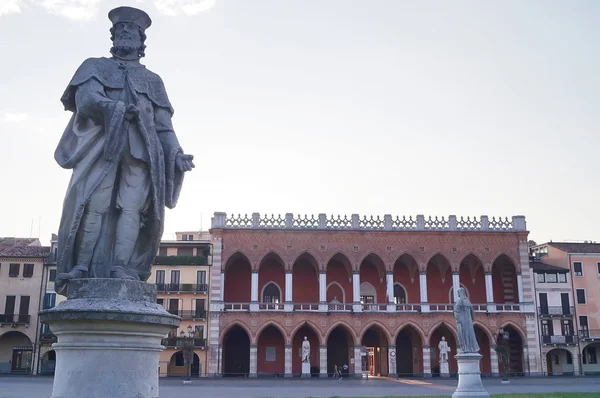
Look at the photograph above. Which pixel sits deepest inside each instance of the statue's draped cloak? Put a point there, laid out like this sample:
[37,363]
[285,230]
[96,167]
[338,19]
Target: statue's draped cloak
[92,148]
[464,316]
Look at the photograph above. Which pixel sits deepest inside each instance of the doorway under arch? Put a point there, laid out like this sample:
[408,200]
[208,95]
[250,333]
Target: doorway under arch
[236,352]
[559,362]
[375,362]
[340,348]
[409,352]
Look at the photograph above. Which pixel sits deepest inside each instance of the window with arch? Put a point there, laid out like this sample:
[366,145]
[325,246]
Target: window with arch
[271,294]
[399,294]
[368,294]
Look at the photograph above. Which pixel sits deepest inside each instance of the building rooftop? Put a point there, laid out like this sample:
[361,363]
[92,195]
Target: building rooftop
[22,247]
[540,267]
[356,222]
[576,247]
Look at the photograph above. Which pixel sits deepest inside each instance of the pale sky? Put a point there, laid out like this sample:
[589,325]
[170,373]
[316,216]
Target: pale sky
[330,106]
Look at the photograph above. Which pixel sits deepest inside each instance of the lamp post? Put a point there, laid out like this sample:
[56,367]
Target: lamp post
[186,344]
[502,349]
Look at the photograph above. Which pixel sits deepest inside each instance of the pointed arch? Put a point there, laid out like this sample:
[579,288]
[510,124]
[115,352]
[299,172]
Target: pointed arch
[341,288]
[266,325]
[235,256]
[485,330]
[514,326]
[439,260]
[272,254]
[376,260]
[262,291]
[414,326]
[367,289]
[344,260]
[310,325]
[378,325]
[439,324]
[514,262]
[344,325]
[232,325]
[408,260]
[310,257]
[401,286]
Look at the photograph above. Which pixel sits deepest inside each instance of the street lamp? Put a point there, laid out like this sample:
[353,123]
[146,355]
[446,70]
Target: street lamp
[186,344]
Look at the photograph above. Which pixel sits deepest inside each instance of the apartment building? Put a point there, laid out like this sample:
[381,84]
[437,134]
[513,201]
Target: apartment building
[181,272]
[556,313]
[21,276]
[583,261]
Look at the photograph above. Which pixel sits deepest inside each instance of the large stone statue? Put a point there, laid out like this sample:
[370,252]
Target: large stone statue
[305,351]
[464,316]
[444,350]
[126,160]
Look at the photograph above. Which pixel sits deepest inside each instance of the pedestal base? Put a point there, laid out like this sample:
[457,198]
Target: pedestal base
[444,369]
[305,369]
[469,377]
[109,335]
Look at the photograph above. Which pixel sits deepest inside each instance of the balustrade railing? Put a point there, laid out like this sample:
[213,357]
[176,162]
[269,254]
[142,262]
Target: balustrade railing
[408,307]
[373,223]
[589,333]
[348,307]
[556,310]
[15,319]
[306,307]
[236,306]
[374,307]
[181,288]
[569,339]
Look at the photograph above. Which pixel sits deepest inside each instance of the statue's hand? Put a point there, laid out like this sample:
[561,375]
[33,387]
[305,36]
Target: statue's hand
[132,112]
[184,162]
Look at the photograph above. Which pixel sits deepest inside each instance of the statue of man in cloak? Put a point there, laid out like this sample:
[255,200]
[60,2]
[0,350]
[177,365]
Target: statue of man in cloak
[126,160]
[306,350]
[464,316]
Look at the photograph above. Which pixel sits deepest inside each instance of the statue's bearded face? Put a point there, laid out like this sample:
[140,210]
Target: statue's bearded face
[127,38]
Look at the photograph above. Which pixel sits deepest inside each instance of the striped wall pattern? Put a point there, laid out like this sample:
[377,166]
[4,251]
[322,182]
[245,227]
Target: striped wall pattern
[253,360]
[216,290]
[426,360]
[323,361]
[288,360]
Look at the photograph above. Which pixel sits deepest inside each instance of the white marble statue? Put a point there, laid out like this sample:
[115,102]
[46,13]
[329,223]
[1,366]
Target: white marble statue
[464,316]
[444,350]
[306,350]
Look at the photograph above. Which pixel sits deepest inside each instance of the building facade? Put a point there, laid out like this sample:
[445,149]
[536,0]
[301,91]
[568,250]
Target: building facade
[583,261]
[556,316]
[21,275]
[372,293]
[181,272]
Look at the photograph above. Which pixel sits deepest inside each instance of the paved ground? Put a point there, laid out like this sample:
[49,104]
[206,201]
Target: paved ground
[41,387]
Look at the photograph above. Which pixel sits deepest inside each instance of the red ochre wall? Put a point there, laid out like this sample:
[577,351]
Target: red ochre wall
[297,345]
[336,272]
[485,365]
[369,273]
[305,283]
[438,292]
[413,290]
[271,271]
[270,337]
[237,282]
[477,289]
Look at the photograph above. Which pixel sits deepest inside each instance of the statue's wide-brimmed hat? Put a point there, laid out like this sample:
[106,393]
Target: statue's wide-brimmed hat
[131,15]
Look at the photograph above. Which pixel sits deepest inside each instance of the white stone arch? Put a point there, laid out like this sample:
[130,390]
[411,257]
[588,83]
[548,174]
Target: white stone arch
[341,288]
[451,293]
[403,288]
[274,284]
[366,289]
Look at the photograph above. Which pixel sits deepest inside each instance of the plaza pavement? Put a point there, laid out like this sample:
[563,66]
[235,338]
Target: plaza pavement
[41,387]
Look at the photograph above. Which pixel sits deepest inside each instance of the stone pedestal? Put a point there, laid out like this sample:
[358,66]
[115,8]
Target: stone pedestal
[444,369]
[109,335]
[305,369]
[469,377]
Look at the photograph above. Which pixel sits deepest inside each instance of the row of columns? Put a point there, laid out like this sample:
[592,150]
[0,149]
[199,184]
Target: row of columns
[357,360]
[489,289]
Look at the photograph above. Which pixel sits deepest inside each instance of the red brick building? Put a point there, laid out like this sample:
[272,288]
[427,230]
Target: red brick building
[373,293]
